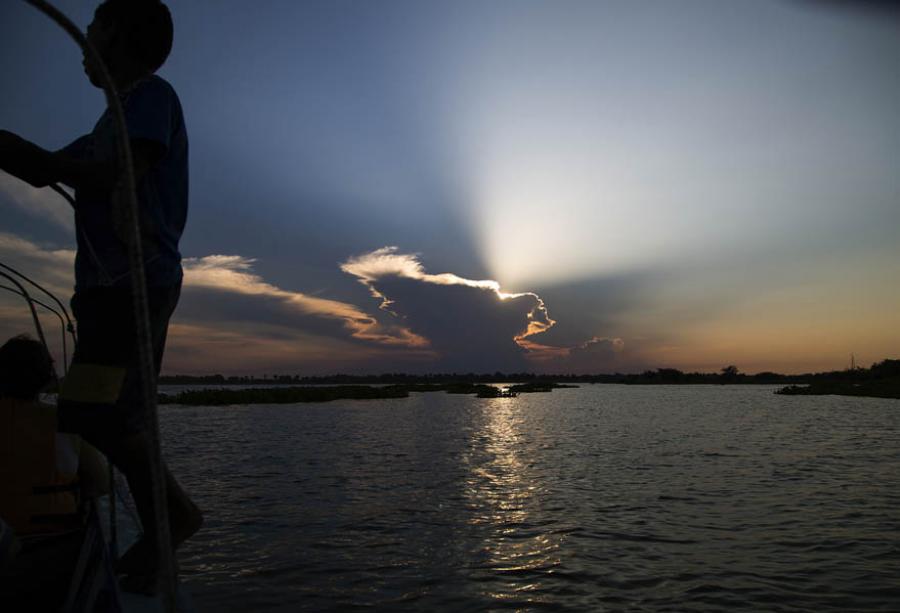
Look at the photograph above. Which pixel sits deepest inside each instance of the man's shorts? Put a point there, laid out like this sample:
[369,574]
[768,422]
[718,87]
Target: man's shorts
[100,398]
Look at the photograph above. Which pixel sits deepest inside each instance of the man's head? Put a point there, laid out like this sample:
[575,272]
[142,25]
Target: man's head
[25,368]
[134,38]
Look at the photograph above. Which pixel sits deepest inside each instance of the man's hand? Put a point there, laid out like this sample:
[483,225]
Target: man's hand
[27,161]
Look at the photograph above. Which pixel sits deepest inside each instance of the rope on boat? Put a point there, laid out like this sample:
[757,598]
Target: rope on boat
[125,196]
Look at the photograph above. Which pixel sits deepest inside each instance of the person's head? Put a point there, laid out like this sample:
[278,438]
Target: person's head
[134,38]
[25,368]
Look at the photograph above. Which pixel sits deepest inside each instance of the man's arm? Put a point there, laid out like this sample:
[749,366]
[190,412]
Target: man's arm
[39,167]
[26,160]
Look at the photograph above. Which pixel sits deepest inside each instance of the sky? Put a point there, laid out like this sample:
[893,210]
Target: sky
[598,186]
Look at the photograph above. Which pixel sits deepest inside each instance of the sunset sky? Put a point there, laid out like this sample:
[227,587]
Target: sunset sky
[555,186]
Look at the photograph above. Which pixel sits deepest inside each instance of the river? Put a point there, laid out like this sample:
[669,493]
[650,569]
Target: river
[605,497]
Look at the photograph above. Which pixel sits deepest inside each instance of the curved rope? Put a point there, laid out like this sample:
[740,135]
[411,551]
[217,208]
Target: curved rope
[126,196]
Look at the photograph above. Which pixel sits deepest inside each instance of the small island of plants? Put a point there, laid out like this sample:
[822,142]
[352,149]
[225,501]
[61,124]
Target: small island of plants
[882,380]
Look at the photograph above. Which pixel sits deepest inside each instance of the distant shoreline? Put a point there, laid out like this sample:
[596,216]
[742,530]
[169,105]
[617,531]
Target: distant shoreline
[649,378]
[286,394]
[661,376]
[296,394]
[882,380]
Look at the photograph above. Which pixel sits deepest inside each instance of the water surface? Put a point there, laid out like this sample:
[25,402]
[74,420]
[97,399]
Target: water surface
[599,498]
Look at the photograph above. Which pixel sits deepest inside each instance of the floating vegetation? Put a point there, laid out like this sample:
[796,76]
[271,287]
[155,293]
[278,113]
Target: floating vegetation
[883,388]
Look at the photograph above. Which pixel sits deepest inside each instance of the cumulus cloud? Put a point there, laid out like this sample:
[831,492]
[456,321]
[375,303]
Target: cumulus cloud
[229,310]
[231,319]
[594,355]
[387,262]
[234,273]
[372,267]
[472,324]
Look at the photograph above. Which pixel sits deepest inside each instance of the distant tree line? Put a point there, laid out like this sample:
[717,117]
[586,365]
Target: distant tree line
[665,376]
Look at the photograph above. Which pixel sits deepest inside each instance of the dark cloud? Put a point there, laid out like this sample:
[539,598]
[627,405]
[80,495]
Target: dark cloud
[595,306]
[470,328]
[594,356]
[470,324]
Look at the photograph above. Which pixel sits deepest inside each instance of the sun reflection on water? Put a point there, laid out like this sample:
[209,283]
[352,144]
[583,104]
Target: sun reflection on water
[505,495]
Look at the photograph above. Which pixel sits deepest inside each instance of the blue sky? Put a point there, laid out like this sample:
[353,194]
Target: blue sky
[645,184]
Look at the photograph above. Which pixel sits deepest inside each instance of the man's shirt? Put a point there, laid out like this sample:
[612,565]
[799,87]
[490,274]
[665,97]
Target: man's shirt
[152,112]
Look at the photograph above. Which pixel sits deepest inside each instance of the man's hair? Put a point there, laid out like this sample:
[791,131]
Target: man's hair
[25,368]
[146,26]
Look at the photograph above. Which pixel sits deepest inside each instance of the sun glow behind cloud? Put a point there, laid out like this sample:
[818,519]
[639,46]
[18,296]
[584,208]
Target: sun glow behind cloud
[369,268]
[472,323]
[602,140]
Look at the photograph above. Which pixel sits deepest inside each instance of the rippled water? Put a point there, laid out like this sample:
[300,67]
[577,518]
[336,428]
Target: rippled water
[597,498]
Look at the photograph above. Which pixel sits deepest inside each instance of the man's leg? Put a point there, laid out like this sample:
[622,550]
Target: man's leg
[119,429]
[134,460]
[132,456]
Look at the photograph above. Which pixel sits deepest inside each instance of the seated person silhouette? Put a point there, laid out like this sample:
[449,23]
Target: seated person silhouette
[46,477]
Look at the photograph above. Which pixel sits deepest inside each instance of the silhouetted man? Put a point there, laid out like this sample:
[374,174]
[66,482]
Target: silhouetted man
[100,398]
